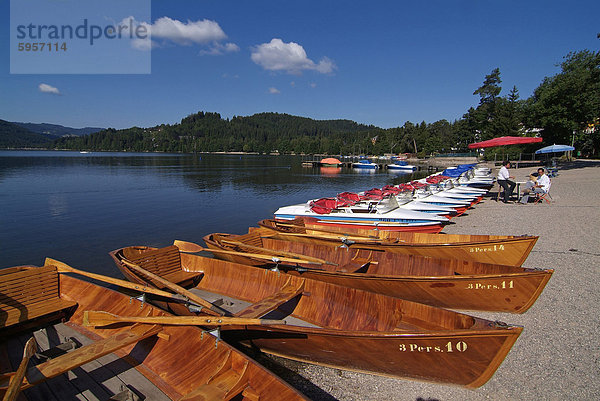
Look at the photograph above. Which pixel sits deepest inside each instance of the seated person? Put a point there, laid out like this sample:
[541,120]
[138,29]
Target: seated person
[541,185]
[504,180]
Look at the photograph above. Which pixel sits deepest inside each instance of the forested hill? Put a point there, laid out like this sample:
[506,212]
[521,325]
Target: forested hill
[55,130]
[13,136]
[208,132]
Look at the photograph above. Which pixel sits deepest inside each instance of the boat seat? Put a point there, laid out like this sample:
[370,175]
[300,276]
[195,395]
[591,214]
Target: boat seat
[273,301]
[166,263]
[30,292]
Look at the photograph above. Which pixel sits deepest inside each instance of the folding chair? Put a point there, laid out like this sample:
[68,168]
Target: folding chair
[545,196]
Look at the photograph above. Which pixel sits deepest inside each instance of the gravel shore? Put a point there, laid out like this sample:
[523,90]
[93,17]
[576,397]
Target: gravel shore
[557,357]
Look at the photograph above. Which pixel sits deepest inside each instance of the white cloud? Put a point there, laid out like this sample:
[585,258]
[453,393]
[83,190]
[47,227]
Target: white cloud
[166,30]
[185,33]
[313,85]
[289,57]
[274,91]
[48,89]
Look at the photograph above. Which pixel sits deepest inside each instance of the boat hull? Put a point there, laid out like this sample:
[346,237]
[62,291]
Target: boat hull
[445,283]
[503,250]
[512,293]
[433,227]
[427,357]
[358,330]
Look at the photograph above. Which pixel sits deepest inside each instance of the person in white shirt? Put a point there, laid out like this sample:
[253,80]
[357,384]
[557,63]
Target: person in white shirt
[504,180]
[541,187]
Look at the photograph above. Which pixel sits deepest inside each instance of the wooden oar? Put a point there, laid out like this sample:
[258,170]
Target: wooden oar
[65,268]
[190,247]
[362,239]
[14,386]
[210,308]
[100,318]
[280,252]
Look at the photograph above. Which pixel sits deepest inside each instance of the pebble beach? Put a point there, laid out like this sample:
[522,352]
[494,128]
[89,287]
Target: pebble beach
[557,357]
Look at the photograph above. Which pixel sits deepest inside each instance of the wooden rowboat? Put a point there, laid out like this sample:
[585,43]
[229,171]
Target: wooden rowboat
[337,326]
[151,361]
[447,283]
[497,249]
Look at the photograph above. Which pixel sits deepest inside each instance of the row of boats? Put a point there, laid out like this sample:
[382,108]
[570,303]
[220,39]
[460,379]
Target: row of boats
[366,164]
[399,165]
[425,205]
[349,296]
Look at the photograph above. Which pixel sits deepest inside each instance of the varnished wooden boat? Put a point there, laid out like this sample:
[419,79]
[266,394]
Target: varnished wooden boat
[447,283]
[150,361]
[337,326]
[497,249]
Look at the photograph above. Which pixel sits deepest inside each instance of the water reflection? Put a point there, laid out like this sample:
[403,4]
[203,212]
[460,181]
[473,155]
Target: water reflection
[77,207]
[57,203]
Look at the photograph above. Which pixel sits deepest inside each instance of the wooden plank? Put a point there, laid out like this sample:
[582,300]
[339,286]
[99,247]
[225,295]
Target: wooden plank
[77,382]
[85,354]
[272,302]
[111,371]
[161,262]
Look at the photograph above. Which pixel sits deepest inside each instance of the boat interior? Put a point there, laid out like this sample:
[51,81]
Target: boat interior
[32,307]
[71,361]
[247,291]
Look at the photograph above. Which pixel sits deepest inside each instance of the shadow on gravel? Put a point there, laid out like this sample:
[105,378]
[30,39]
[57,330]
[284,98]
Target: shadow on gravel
[578,164]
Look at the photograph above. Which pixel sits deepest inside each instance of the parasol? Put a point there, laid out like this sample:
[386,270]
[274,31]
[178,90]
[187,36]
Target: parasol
[504,140]
[555,149]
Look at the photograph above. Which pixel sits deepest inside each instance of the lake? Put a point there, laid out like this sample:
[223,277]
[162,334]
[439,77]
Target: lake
[77,207]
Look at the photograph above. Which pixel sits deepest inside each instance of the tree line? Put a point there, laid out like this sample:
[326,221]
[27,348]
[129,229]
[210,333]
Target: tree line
[565,108]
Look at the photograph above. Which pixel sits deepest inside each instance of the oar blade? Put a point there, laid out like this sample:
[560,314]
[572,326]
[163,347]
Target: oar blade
[185,246]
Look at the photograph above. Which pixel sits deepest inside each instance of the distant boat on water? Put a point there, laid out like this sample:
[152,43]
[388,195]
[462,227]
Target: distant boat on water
[365,164]
[330,162]
[401,165]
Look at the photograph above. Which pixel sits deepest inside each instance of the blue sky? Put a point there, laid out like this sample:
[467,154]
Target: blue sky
[377,62]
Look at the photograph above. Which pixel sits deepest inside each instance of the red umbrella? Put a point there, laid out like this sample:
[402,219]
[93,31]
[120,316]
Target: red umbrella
[504,140]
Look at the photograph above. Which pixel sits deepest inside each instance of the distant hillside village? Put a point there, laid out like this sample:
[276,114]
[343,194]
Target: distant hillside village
[564,108]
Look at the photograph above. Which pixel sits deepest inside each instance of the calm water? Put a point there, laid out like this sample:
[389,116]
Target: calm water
[76,207]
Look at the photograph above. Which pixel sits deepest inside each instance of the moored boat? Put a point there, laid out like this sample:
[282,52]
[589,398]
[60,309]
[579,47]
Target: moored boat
[125,361]
[329,212]
[446,283]
[330,162]
[401,165]
[337,326]
[496,249]
[365,164]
